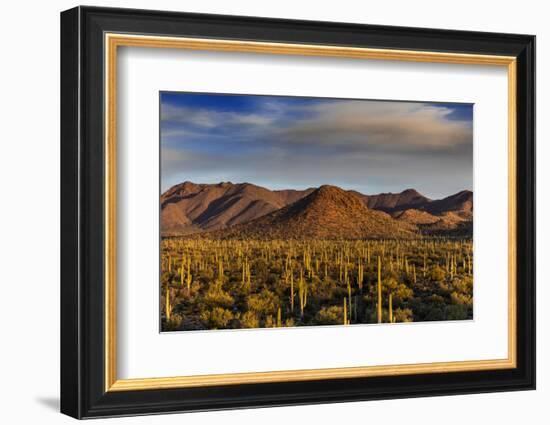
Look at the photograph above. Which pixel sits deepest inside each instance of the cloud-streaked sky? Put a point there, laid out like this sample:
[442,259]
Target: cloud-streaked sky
[297,142]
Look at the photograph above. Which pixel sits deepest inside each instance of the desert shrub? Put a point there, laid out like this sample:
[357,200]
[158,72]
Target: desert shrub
[403,315]
[249,319]
[289,323]
[217,318]
[216,296]
[390,284]
[173,324]
[457,312]
[461,299]
[437,274]
[270,322]
[333,315]
[403,293]
[436,299]
[266,302]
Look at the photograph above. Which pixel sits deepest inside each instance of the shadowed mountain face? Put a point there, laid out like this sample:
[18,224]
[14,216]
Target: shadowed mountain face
[451,216]
[461,203]
[227,210]
[188,207]
[390,202]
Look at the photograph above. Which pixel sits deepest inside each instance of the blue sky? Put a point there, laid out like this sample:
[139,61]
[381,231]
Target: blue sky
[299,142]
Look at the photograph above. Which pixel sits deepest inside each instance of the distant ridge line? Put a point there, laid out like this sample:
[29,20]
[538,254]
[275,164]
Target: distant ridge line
[224,209]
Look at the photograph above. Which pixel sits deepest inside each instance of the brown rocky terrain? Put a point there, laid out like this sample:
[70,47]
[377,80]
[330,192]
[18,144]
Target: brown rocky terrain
[461,203]
[414,216]
[390,202]
[327,213]
[246,210]
[189,208]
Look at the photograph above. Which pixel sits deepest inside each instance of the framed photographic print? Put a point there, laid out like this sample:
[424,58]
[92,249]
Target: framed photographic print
[261,212]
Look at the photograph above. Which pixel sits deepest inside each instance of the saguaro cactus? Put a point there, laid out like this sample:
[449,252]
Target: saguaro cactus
[345,311]
[368,254]
[452,267]
[360,276]
[220,271]
[424,268]
[292,291]
[349,298]
[305,294]
[379,305]
[245,274]
[302,292]
[189,277]
[168,307]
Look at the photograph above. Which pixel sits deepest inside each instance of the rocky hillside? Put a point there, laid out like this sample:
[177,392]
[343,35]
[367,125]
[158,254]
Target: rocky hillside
[327,213]
[246,210]
[189,208]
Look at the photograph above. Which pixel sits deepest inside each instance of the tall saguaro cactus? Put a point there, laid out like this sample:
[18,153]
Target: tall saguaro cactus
[349,298]
[360,275]
[424,269]
[291,291]
[168,307]
[379,306]
[189,277]
[220,271]
[302,289]
[346,321]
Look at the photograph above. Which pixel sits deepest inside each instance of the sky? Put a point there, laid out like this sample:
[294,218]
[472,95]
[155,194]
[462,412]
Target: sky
[280,142]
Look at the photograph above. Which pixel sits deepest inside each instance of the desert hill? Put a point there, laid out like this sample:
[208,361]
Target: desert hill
[189,207]
[461,203]
[236,210]
[390,202]
[414,216]
[326,213]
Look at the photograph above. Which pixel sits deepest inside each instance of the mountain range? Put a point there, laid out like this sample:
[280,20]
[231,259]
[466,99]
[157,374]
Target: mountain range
[226,211]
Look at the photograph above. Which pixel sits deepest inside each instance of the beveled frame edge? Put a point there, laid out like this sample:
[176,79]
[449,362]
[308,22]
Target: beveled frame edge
[114,40]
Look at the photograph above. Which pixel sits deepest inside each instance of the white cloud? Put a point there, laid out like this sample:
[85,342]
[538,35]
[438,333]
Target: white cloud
[381,126]
[209,118]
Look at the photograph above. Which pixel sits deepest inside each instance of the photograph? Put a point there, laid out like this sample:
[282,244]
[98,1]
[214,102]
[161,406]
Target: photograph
[300,211]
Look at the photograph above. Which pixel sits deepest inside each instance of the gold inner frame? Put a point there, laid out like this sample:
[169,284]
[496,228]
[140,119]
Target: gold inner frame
[113,41]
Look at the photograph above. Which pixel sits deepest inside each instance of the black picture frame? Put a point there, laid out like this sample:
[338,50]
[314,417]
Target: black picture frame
[83,392]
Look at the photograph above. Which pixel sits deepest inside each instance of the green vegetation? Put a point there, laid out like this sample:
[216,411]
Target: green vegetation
[233,284]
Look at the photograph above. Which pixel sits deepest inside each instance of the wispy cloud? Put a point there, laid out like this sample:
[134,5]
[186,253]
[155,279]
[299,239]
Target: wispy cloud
[192,117]
[381,126]
[301,142]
